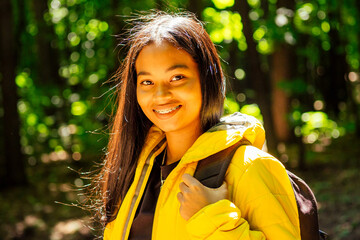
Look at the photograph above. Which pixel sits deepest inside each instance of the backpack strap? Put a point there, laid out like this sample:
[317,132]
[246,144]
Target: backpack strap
[307,209]
[211,170]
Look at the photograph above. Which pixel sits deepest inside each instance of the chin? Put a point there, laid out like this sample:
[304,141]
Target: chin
[168,129]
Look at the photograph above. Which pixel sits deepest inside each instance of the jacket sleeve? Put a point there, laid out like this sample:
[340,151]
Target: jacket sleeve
[262,205]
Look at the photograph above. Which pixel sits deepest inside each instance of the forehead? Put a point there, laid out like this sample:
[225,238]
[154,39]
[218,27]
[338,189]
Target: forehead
[163,55]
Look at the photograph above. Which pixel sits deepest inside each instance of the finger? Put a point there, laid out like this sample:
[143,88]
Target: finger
[190,180]
[183,187]
[180,197]
[223,186]
[224,190]
[186,178]
[183,213]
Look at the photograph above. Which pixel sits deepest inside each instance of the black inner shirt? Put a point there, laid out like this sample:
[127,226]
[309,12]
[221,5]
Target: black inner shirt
[141,227]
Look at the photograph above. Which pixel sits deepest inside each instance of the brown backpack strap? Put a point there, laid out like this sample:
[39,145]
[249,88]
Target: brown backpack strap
[211,170]
[307,209]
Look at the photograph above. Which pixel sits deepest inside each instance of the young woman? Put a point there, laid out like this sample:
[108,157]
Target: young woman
[171,94]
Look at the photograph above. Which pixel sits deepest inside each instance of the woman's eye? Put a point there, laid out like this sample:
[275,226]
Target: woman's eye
[177,78]
[146,82]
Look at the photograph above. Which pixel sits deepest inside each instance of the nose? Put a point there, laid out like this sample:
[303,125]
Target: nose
[162,93]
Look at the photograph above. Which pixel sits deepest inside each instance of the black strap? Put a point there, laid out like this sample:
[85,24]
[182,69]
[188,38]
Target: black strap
[211,170]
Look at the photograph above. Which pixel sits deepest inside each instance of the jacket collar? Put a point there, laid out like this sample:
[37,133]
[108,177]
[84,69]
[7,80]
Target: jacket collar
[228,131]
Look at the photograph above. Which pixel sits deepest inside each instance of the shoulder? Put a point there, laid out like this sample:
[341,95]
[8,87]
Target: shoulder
[254,168]
[260,187]
[251,157]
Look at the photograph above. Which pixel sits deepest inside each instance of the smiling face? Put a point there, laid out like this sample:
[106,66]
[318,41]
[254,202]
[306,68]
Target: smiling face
[168,88]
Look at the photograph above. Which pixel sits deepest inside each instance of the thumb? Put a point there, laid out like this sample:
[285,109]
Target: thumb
[223,186]
[223,189]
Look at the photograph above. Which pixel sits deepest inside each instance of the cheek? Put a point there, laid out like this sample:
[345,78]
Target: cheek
[197,97]
[143,101]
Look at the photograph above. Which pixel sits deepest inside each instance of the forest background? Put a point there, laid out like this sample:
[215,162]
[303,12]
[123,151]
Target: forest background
[292,64]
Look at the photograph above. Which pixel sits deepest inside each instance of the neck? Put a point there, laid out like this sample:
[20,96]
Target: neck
[179,143]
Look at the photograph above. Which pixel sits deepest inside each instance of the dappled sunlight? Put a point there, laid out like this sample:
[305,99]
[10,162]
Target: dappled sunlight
[55,156]
[354,77]
[67,228]
[60,156]
[30,221]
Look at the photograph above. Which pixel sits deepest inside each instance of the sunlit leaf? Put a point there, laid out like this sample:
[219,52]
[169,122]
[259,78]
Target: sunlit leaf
[32,119]
[209,12]
[253,3]
[239,73]
[252,110]
[103,26]
[264,46]
[231,106]
[325,26]
[259,33]
[222,4]
[78,108]
[23,80]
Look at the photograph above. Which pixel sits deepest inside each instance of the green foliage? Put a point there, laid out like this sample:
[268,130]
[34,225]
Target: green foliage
[294,87]
[252,110]
[60,116]
[225,26]
[23,80]
[222,4]
[230,106]
[316,126]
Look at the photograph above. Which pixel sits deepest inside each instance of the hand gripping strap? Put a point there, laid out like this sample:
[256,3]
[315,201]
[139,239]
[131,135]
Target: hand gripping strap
[211,173]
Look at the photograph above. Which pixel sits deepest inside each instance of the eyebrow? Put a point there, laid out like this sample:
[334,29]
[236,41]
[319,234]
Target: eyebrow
[176,66]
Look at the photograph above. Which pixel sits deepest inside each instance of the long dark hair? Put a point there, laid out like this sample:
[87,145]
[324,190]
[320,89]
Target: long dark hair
[130,125]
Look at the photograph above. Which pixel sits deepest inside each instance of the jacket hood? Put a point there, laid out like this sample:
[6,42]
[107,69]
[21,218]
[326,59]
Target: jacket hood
[230,130]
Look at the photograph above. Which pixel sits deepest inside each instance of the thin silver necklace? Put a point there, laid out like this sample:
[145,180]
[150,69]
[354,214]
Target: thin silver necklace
[162,164]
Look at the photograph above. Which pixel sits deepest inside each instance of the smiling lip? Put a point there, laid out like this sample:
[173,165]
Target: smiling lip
[167,112]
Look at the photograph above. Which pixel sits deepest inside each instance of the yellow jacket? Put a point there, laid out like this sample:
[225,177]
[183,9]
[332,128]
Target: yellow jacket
[261,201]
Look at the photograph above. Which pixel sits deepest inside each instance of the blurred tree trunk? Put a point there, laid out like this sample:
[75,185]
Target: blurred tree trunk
[48,57]
[351,92]
[305,99]
[282,69]
[282,62]
[264,4]
[258,76]
[333,84]
[14,159]
[332,77]
[355,106]
[235,84]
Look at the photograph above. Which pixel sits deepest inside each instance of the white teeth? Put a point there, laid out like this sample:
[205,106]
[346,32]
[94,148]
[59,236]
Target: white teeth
[166,110]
